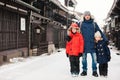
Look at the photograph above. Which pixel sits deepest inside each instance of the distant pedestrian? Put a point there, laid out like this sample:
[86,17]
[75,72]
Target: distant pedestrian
[74,48]
[103,54]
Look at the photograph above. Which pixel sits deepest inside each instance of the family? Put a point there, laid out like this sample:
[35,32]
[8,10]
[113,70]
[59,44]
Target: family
[86,38]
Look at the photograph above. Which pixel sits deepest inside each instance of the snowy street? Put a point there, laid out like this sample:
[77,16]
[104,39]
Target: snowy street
[34,34]
[54,67]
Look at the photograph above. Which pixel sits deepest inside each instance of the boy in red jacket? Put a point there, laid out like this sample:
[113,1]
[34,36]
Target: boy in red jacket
[74,48]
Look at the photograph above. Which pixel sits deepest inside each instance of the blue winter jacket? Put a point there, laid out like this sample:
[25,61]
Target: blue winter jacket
[88,28]
[103,52]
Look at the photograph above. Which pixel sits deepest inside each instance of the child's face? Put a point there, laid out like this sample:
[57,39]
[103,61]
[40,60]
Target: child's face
[97,38]
[74,30]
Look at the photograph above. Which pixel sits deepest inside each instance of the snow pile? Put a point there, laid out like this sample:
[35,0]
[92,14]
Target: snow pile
[18,59]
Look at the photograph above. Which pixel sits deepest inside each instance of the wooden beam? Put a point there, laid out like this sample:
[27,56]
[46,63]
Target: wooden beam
[27,5]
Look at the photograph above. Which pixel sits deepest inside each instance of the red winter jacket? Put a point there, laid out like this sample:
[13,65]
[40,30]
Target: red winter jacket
[76,45]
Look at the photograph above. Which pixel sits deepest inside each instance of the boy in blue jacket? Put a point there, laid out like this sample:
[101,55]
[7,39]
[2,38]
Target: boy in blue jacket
[103,54]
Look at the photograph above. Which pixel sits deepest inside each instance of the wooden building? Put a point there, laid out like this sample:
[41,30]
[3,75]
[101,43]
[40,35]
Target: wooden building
[31,27]
[113,23]
[15,28]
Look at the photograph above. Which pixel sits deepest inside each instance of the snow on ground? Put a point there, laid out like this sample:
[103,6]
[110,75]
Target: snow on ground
[54,67]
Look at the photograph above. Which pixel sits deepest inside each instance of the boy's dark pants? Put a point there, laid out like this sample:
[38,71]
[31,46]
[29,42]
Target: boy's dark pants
[74,64]
[103,69]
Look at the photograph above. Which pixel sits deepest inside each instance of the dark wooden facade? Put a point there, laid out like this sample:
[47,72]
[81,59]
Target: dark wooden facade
[59,15]
[11,37]
[55,34]
[41,29]
[38,33]
[114,23]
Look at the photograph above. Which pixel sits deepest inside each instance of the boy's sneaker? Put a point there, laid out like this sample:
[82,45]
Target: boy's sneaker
[74,74]
[103,76]
[84,73]
[95,73]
